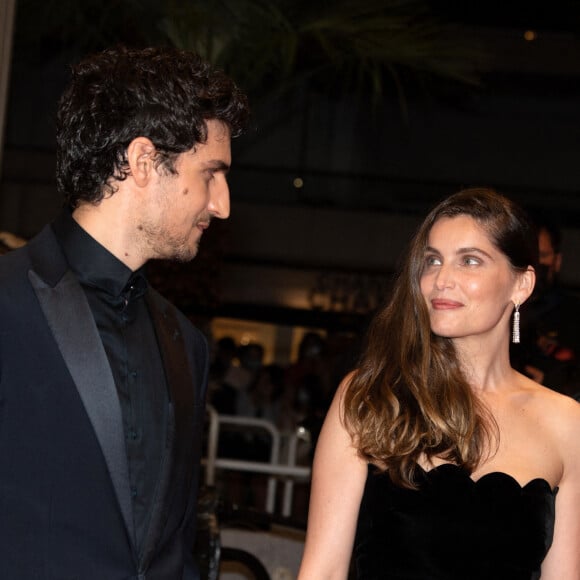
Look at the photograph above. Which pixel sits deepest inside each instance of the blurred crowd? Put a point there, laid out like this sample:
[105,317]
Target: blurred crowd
[291,396]
[549,352]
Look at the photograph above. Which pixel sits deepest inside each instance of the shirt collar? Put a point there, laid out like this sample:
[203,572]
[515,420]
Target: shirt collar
[93,264]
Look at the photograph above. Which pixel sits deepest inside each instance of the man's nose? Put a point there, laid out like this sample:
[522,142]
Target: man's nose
[219,202]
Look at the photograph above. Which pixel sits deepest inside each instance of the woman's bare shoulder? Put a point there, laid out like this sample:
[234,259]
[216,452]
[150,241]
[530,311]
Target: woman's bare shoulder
[347,379]
[559,413]
[343,387]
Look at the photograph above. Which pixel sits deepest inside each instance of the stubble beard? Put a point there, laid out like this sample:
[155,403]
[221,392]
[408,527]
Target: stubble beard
[184,253]
[163,245]
[179,250]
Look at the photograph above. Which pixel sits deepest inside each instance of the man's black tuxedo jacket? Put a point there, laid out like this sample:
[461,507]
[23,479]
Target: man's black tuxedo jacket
[65,505]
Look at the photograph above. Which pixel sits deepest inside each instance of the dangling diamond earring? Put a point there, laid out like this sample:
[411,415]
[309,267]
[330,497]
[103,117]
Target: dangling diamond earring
[516,328]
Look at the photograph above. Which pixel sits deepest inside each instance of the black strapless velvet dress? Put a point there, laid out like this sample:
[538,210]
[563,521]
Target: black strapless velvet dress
[453,528]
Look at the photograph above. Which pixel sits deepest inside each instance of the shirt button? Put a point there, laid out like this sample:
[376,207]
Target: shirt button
[133,374]
[133,434]
[133,492]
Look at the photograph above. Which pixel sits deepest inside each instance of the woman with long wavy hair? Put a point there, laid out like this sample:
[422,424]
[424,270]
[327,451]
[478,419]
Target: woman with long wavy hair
[437,460]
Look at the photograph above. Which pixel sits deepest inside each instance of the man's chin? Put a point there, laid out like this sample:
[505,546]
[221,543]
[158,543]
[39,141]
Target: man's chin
[185,254]
[182,257]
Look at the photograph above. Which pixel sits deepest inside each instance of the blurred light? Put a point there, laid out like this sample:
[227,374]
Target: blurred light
[530,35]
[298,182]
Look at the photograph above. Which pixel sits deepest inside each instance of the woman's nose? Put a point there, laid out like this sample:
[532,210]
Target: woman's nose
[444,278]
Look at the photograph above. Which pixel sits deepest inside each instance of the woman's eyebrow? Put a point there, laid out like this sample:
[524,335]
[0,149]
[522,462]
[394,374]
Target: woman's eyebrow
[461,251]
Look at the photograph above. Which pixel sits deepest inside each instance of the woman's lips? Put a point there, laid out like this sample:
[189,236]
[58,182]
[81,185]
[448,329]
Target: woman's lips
[439,304]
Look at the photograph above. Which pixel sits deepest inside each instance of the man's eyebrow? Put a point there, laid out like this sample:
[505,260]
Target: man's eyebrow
[217,165]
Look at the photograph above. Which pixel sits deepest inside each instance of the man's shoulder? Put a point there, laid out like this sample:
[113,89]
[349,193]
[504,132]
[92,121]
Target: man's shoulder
[42,255]
[13,266]
[42,247]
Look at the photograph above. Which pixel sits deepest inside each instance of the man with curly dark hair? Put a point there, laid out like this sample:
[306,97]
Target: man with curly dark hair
[102,381]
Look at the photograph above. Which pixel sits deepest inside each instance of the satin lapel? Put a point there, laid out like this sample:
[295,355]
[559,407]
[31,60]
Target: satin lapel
[71,322]
[178,458]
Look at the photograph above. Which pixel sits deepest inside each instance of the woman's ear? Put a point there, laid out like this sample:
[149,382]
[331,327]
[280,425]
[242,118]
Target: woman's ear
[141,160]
[524,285]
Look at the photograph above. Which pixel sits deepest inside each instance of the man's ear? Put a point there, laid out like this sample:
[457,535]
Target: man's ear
[524,285]
[141,160]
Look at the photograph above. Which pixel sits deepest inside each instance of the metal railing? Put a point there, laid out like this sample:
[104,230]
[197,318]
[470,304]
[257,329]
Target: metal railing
[278,468]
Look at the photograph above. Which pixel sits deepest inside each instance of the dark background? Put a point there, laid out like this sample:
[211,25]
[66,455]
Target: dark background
[456,97]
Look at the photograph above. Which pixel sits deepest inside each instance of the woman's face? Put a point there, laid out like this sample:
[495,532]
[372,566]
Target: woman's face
[467,283]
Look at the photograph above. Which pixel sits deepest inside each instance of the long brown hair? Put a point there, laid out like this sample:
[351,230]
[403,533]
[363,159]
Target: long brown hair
[409,398]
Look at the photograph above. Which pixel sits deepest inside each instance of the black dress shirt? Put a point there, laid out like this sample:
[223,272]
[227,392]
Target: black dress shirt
[116,296]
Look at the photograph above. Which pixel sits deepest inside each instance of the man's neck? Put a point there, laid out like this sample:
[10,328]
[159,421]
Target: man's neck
[109,228]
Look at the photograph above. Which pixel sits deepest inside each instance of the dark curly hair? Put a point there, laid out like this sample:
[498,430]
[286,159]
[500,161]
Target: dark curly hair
[164,94]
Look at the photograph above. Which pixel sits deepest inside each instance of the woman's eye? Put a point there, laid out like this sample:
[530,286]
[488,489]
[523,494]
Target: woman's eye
[433,261]
[471,261]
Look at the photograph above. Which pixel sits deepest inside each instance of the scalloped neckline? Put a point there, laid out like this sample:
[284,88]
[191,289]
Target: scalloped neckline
[491,474]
